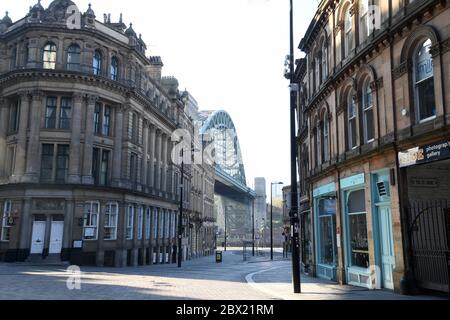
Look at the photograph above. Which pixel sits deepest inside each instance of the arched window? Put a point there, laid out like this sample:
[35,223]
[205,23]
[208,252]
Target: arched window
[424,83]
[317,70]
[324,61]
[97,63]
[367,105]
[325,138]
[364,20]
[73,58]
[352,123]
[114,69]
[316,144]
[49,56]
[348,28]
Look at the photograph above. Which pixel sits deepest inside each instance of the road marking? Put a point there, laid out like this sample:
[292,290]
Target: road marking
[259,287]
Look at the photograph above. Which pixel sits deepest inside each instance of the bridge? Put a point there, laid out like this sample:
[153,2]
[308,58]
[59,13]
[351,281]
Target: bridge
[233,198]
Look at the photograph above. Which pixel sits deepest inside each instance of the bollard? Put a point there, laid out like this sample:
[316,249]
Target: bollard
[219,257]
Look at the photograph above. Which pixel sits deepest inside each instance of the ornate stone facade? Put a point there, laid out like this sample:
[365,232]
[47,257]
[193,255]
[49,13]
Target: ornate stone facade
[373,84]
[85,143]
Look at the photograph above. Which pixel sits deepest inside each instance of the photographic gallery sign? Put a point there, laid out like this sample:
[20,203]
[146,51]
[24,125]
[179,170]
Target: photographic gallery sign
[429,153]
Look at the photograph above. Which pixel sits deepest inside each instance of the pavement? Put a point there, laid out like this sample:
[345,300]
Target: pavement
[199,279]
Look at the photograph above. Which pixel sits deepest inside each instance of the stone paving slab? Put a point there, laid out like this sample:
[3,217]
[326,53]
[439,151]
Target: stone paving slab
[277,281]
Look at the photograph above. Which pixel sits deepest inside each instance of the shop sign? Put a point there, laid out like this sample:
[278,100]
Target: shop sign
[353,181]
[429,153]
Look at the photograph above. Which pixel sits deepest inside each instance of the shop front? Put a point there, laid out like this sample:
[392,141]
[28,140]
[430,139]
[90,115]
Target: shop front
[356,242]
[325,230]
[425,173]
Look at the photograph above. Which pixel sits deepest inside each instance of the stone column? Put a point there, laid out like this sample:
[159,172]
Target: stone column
[3,132]
[75,144]
[33,163]
[135,250]
[89,141]
[152,155]
[19,166]
[25,230]
[121,251]
[69,224]
[158,160]
[164,164]
[118,136]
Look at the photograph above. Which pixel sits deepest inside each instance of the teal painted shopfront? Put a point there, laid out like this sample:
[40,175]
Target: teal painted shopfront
[325,230]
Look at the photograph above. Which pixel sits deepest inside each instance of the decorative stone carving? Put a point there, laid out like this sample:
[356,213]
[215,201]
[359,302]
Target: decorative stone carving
[49,205]
[400,70]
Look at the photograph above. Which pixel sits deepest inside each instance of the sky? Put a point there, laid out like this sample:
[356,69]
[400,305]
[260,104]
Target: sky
[229,54]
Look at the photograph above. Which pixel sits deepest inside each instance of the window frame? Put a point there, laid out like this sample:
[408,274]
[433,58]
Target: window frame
[129,223]
[351,104]
[366,108]
[97,62]
[111,216]
[73,51]
[416,83]
[114,68]
[49,64]
[85,219]
[6,227]
[140,222]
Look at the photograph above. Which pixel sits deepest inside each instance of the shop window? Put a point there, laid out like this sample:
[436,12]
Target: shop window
[73,58]
[111,218]
[6,226]
[91,215]
[357,219]
[327,223]
[424,83]
[49,56]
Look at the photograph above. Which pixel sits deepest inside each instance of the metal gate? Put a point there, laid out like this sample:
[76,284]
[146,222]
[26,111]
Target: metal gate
[429,238]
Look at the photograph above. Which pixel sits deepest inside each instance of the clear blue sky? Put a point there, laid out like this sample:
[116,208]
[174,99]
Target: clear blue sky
[229,54]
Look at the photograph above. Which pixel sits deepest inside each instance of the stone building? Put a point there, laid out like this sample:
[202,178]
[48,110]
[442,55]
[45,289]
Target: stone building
[373,109]
[85,142]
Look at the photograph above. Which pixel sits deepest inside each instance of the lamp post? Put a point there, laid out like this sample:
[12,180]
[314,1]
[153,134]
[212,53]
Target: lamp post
[271,217]
[180,218]
[295,223]
[253,228]
[226,236]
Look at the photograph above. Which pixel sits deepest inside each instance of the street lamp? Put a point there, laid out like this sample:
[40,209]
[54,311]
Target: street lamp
[271,217]
[295,223]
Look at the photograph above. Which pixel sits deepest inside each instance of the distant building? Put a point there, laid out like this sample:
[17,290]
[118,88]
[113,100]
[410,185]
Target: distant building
[260,202]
